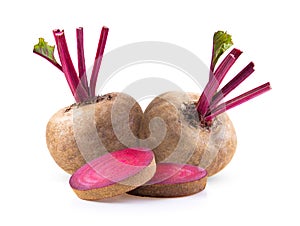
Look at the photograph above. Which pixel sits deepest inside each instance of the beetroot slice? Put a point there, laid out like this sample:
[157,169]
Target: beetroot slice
[113,173]
[173,180]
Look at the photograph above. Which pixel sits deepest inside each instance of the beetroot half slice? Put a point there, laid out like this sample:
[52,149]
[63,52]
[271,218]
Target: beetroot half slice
[113,174]
[173,180]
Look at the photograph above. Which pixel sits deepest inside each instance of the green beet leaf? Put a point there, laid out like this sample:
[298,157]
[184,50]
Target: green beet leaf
[46,51]
[222,42]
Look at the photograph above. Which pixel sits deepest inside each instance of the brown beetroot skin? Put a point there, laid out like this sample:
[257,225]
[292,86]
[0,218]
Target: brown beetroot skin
[210,147]
[83,132]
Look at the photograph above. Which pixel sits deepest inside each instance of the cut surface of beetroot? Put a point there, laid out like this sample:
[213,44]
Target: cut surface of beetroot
[173,180]
[172,173]
[113,173]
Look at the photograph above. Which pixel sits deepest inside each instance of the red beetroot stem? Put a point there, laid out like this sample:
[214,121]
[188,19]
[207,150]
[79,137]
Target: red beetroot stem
[232,84]
[212,65]
[68,68]
[238,100]
[213,84]
[51,61]
[81,59]
[98,60]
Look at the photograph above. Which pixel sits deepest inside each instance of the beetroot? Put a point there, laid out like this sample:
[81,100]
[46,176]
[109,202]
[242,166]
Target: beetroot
[198,131]
[113,174]
[173,180]
[94,125]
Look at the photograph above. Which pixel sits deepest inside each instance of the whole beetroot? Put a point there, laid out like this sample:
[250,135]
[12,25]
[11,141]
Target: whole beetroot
[94,125]
[196,129]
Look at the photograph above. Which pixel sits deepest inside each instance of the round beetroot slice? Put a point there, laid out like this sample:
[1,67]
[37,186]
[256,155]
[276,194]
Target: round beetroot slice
[173,180]
[113,174]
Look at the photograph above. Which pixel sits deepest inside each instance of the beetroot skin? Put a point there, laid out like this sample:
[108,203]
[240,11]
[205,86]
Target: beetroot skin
[173,180]
[85,131]
[113,174]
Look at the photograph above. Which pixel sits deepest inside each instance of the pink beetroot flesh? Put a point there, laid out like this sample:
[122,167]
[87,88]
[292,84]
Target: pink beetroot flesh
[111,168]
[173,173]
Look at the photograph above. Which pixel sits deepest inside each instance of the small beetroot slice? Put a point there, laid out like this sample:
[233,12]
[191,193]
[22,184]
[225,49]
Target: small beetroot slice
[173,180]
[113,174]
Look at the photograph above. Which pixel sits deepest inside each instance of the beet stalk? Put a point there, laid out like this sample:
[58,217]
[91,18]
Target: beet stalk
[75,84]
[81,90]
[81,60]
[212,86]
[207,105]
[98,59]
[238,100]
[232,84]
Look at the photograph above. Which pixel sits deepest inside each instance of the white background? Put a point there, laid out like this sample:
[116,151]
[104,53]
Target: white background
[261,184]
